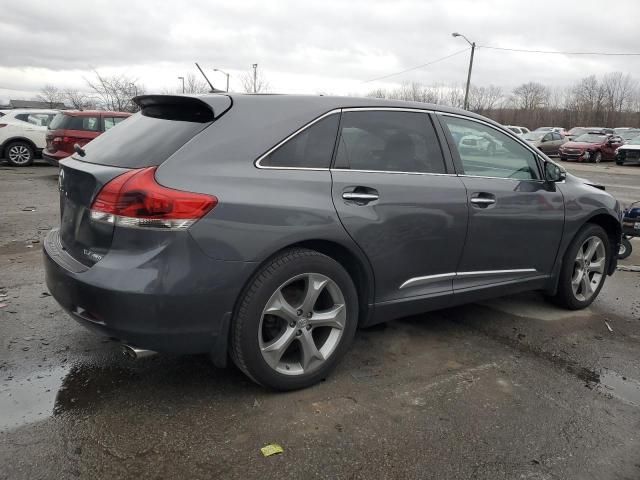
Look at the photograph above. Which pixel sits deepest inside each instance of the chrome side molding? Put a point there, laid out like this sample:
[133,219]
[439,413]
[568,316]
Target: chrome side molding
[416,281]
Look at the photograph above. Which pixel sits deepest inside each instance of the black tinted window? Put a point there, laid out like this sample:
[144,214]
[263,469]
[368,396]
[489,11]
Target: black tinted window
[389,141]
[311,148]
[487,152]
[144,142]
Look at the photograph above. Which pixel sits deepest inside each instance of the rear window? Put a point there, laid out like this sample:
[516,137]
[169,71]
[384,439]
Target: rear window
[75,122]
[141,141]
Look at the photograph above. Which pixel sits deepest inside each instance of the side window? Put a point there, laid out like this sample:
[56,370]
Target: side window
[90,123]
[311,148]
[548,137]
[110,122]
[557,136]
[389,141]
[487,152]
[23,117]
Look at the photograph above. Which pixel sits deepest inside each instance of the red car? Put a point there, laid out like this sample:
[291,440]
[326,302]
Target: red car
[77,127]
[591,147]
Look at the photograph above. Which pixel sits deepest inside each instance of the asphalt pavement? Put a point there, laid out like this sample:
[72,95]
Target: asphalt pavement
[512,388]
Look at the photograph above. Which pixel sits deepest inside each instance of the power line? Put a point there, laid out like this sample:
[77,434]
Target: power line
[418,66]
[610,54]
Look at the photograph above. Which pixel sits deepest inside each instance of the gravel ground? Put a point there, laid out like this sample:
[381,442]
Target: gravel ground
[508,389]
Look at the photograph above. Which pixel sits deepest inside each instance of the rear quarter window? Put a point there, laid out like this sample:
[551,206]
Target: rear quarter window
[75,122]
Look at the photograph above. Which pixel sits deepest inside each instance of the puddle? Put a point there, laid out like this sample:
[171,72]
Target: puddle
[623,388]
[47,393]
[29,399]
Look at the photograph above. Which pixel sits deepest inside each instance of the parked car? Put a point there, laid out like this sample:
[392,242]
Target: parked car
[629,134]
[577,131]
[77,127]
[594,147]
[548,142]
[560,130]
[270,227]
[22,134]
[518,130]
[629,153]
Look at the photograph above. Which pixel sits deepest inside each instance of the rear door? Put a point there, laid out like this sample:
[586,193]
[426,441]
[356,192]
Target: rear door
[515,218]
[398,200]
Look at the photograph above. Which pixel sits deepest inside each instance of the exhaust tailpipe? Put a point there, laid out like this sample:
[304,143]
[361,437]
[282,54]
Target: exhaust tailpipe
[136,353]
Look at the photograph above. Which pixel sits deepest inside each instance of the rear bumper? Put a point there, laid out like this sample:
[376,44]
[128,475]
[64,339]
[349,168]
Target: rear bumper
[176,301]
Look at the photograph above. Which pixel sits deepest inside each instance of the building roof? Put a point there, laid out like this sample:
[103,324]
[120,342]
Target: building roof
[35,104]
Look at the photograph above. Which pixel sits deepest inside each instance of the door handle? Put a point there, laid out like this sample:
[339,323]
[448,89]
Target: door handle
[360,197]
[483,199]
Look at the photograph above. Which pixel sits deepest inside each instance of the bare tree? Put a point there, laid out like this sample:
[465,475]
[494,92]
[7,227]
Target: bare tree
[530,96]
[116,92]
[194,84]
[51,95]
[484,98]
[78,100]
[261,83]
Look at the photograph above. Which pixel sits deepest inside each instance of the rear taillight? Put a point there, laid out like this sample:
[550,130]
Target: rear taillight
[135,199]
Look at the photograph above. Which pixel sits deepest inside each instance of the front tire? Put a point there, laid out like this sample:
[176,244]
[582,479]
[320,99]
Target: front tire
[19,154]
[597,157]
[625,248]
[294,320]
[584,268]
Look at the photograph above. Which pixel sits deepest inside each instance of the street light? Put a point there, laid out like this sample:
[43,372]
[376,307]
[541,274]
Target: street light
[473,49]
[224,73]
[182,78]
[255,76]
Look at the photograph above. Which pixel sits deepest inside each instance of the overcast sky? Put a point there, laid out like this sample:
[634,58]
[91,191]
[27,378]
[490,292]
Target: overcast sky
[310,46]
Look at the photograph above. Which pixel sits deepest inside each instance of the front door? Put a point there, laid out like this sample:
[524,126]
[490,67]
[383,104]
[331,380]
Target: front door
[398,202]
[515,217]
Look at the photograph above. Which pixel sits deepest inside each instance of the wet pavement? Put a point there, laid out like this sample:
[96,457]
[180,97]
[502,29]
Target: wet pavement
[512,388]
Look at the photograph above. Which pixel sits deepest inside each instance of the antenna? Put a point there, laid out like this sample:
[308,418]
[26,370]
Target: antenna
[213,89]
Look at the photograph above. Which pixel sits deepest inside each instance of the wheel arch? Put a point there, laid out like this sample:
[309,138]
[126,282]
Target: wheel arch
[614,232]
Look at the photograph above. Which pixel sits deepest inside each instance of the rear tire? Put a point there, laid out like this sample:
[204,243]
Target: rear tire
[19,154]
[625,249]
[583,271]
[294,321]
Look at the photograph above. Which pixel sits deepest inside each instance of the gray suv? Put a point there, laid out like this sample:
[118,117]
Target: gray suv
[267,228]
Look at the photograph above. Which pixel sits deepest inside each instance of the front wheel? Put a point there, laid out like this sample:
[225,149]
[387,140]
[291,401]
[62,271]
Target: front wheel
[584,268]
[294,321]
[597,157]
[625,248]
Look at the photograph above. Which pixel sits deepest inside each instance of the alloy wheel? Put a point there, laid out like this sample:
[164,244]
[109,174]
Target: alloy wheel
[302,324]
[19,154]
[588,268]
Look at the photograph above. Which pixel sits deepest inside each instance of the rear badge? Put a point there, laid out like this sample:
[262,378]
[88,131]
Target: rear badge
[93,256]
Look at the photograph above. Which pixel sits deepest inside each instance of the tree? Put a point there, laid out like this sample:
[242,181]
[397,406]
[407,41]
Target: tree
[261,84]
[530,96]
[78,100]
[115,92]
[51,95]
[194,84]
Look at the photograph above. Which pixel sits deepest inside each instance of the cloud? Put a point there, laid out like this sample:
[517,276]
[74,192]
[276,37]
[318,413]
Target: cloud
[310,46]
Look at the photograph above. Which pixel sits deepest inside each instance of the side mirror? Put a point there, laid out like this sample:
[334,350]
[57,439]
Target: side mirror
[553,173]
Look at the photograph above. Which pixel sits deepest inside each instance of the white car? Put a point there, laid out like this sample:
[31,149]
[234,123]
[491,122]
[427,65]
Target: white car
[518,130]
[22,134]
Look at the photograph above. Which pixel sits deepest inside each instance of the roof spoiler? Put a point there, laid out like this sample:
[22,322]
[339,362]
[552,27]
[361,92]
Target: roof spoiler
[175,107]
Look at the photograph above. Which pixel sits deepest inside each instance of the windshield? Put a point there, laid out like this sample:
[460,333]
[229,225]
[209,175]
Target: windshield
[534,136]
[591,138]
[634,141]
[575,131]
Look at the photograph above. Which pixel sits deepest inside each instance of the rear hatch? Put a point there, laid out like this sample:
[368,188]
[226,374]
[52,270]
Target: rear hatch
[67,128]
[146,139]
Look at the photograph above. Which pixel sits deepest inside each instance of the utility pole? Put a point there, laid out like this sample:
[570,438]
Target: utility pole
[182,78]
[473,49]
[255,76]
